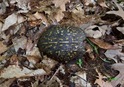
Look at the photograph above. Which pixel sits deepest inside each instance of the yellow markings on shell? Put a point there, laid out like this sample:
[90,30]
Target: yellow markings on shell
[67,45]
[54,47]
[61,39]
[48,46]
[57,31]
[69,54]
[45,43]
[60,45]
[62,34]
[74,52]
[50,33]
[58,52]
[51,40]
[66,38]
[62,31]
[68,30]
[68,27]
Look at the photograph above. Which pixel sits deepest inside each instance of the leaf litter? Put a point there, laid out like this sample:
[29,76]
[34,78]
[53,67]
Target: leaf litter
[21,23]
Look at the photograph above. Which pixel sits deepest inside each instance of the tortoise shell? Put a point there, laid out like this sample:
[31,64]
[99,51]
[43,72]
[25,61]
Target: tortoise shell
[62,43]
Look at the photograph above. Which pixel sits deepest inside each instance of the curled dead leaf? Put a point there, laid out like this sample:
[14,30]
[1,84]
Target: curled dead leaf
[60,3]
[3,47]
[102,44]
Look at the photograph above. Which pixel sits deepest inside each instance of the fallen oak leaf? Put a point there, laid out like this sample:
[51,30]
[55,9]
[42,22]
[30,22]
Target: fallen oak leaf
[14,71]
[115,54]
[12,20]
[7,83]
[101,82]
[120,11]
[120,77]
[59,15]
[60,3]
[120,42]
[121,29]
[3,47]
[100,43]
[41,16]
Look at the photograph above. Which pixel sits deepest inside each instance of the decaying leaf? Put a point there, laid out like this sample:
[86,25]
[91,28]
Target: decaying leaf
[55,82]
[15,71]
[120,76]
[60,3]
[114,54]
[80,80]
[3,7]
[120,42]
[88,2]
[59,15]
[11,20]
[3,47]
[23,5]
[120,11]
[33,60]
[19,43]
[49,62]
[102,44]
[102,3]
[101,82]
[7,83]
[121,29]
[96,31]
[41,16]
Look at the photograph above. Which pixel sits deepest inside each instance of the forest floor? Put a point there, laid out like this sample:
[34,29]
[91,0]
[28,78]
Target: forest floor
[23,21]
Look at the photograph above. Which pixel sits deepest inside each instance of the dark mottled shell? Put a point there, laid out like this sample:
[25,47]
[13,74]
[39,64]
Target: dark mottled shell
[62,43]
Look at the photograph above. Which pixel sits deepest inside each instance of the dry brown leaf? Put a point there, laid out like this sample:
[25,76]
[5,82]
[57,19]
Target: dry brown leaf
[120,42]
[60,3]
[3,7]
[12,20]
[23,5]
[19,42]
[7,83]
[102,44]
[33,59]
[96,31]
[59,15]
[120,77]
[15,71]
[3,47]
[114,54]
[41,16]
[80,79]
[102,3]
[120,12]
[101,82]
[88,2]
[121,29]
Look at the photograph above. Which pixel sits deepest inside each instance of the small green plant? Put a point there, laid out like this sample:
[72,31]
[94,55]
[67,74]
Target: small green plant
[79,63]
[95,48]
[112,78]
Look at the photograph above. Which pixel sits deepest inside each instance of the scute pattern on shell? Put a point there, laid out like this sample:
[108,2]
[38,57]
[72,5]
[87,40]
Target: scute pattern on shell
[61,42]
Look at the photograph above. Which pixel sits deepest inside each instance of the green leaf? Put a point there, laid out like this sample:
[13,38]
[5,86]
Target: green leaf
[79,63]
[95,48]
